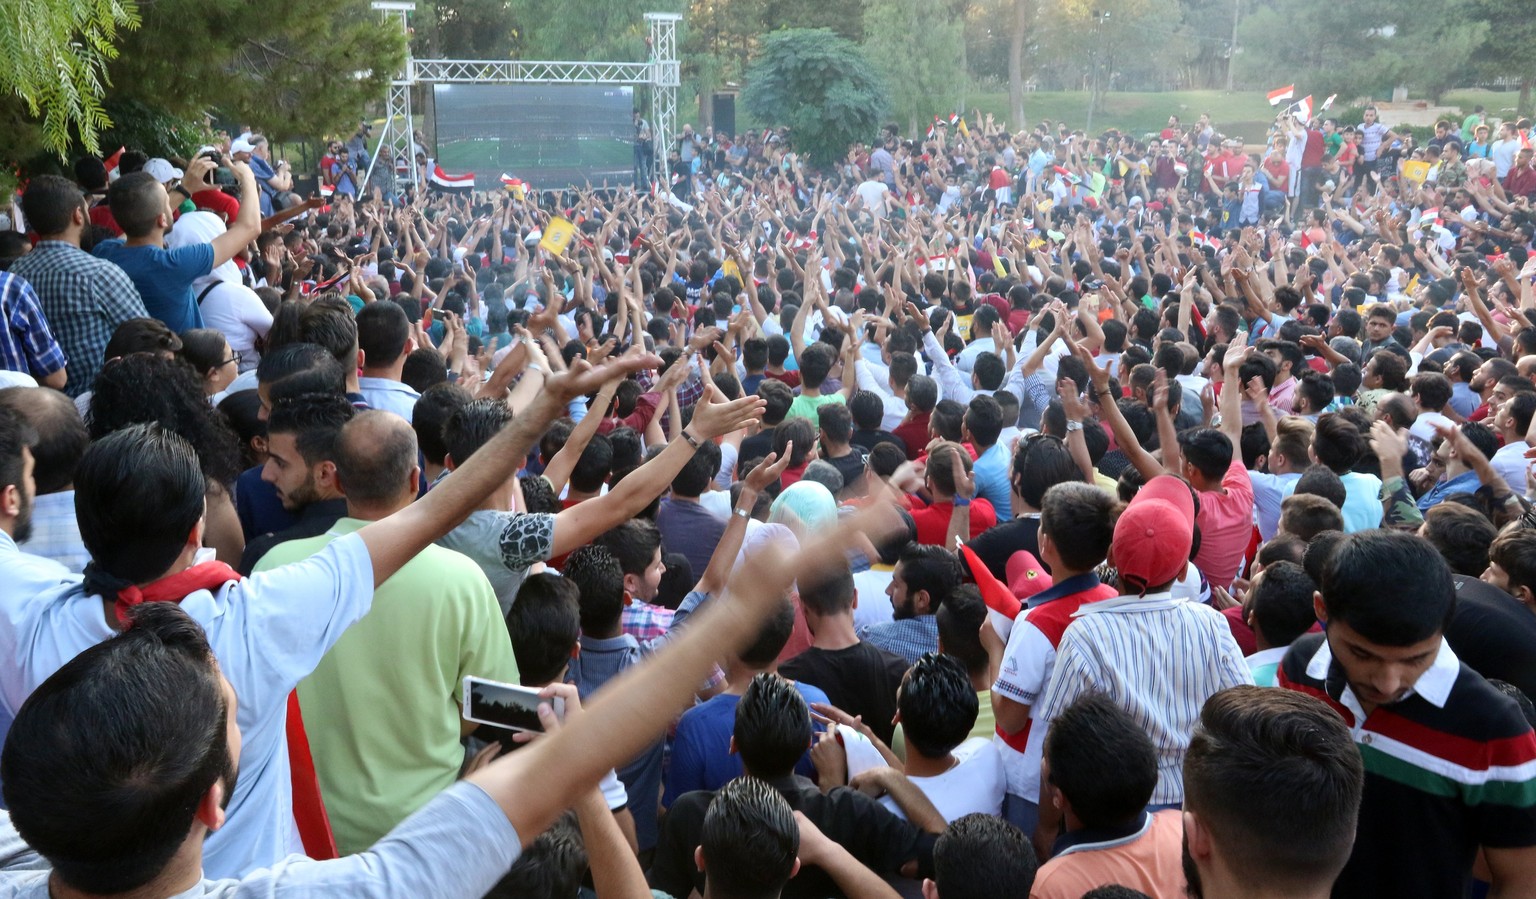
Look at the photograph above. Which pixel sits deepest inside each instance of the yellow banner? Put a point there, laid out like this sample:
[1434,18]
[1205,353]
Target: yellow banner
[557,236]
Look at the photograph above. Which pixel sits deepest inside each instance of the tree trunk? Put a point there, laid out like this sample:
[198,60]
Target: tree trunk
[1016,65]
[1523,107]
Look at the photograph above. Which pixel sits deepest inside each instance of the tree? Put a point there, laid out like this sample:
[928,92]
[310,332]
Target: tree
[589,29]
[919,54]
[309,71]
[1021,16]
[468,29]
[1332,47]
[821,86]
[53,59]
[1507,51]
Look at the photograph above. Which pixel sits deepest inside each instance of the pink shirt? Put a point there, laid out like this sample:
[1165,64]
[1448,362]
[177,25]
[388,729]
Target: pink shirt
[1150,861]
[1226,524]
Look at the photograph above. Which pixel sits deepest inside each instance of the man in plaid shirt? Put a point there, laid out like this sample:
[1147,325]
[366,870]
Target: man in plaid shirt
[26,344]
[84,297]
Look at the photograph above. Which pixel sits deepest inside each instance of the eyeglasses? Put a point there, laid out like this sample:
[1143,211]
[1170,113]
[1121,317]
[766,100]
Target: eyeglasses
[233,357]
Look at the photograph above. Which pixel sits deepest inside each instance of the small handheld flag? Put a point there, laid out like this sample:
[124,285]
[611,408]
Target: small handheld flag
[557,236]
[1280,95]
[1329,102]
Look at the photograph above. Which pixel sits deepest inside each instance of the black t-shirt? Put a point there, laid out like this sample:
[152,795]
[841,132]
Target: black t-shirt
[860,680]
[850,466]
[758,446]
[998,543]
[1493,634]
[873,438]
[880,840]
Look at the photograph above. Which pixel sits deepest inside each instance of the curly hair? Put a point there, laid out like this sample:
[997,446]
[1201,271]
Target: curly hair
[143,388]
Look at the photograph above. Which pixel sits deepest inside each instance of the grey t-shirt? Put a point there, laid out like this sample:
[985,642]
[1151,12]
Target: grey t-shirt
[505,545]
[458,845]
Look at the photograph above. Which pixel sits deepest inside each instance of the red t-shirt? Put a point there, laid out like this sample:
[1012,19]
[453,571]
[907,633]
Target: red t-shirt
[914,433]
[1312,154]
[933,521]
[101,214]
[998,178]
[789,378]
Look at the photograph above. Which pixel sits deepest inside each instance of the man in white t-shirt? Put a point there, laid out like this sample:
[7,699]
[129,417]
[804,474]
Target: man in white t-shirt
[875,194]
[1431,391]
[937,708]
[1512,420]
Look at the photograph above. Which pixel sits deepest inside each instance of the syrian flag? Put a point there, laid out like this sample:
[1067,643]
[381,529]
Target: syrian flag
[1276,97]
[111,163]
[327,190]
[1329,102]
[443,182]
[1429,217]
[1303,108]
[954,118]
[1197,237]
[933,129]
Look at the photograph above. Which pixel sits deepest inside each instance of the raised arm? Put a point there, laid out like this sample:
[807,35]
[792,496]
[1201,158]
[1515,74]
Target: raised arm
[1125,438]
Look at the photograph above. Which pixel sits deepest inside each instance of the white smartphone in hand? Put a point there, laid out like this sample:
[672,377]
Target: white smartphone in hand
[506,705]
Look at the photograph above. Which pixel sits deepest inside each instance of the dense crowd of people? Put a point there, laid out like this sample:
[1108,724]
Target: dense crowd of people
[983,514]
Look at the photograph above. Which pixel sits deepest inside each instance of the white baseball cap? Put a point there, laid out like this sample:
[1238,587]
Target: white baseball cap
[162,170]
[241,145]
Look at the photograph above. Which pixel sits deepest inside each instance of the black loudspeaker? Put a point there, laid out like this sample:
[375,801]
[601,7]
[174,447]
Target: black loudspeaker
[724,113]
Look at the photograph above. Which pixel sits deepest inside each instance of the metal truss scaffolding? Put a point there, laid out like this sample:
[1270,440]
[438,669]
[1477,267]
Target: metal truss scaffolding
[660,73]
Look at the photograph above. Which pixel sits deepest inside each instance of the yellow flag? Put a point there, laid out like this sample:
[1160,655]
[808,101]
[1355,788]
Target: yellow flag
[1415,170]
[557,236]
[1045,205]
[729,268]
[964,131]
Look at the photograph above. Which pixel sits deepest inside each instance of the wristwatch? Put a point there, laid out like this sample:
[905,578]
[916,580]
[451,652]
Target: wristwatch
[690,439]
[1074,426]
[962,501]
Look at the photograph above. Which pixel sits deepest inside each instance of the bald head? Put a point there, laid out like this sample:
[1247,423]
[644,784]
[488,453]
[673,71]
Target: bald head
[376,464]
[61,434]
[1526,365]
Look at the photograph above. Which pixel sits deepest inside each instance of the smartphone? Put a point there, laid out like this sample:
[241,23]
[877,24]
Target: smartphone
[505,705]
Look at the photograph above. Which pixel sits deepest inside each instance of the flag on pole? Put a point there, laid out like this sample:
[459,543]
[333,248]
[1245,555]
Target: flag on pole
[515,186]
[1429,217]
[1329,102]
[933,129]
[964,131]
[451,184]
[1303,108]
[954,118]
[1276,97]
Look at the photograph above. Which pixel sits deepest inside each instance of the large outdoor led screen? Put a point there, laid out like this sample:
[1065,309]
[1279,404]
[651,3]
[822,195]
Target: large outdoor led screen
[550,136]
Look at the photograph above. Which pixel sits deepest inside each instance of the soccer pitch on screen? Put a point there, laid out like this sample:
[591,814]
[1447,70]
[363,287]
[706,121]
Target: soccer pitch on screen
[550,136]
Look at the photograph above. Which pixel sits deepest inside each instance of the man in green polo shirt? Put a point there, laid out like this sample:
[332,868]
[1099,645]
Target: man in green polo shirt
[388,692]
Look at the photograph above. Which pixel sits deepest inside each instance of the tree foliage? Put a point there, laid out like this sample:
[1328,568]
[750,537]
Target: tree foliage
[53,60]
[1368,47]
[920,56]
[821,86]
[468,29]
[305,71]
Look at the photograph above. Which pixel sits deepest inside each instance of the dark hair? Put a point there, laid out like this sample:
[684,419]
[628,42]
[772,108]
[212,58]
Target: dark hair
[301,368]
[203,349]
[108,759]
[946,419]
[1281,603]
[430,415]
[315,420]
[60,438]
[1515,552]
[982,856]
[596,573]
[836,421]
[1040,463]
[937,705]
[1319,480]
[424,368]
[138,202]
[694,477]
[374,457]
[1392,588]
[771,638]
[472,425]
[1080,520]
[798,431]
[551,867]
[778,398]
[593,466]
[1208,450]
[145,388]
[773,726]
[16,434]
[1306,515]
[866,409]
[633,543]
[1115,891]
[815,364]
[331,325]
[1391,368]
[1101,760]
[544,624]
[929,568]
[138,494]
[141,335]
[50,203]
[828,593]
[1338,443]
[749,840]
[382,330]
[1462,534]
[1277,779]
[959,621]
[922,393]
[1431,389]
[984,419]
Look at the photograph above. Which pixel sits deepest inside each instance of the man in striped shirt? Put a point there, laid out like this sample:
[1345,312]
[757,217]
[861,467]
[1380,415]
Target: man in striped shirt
[1450,762]
[1156,657]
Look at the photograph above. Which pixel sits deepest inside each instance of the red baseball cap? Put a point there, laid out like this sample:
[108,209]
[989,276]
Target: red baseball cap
[1026,576]
[1154,534]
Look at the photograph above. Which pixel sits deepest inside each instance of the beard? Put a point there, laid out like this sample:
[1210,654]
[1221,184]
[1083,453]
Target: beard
[1193,887]
[301,498]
